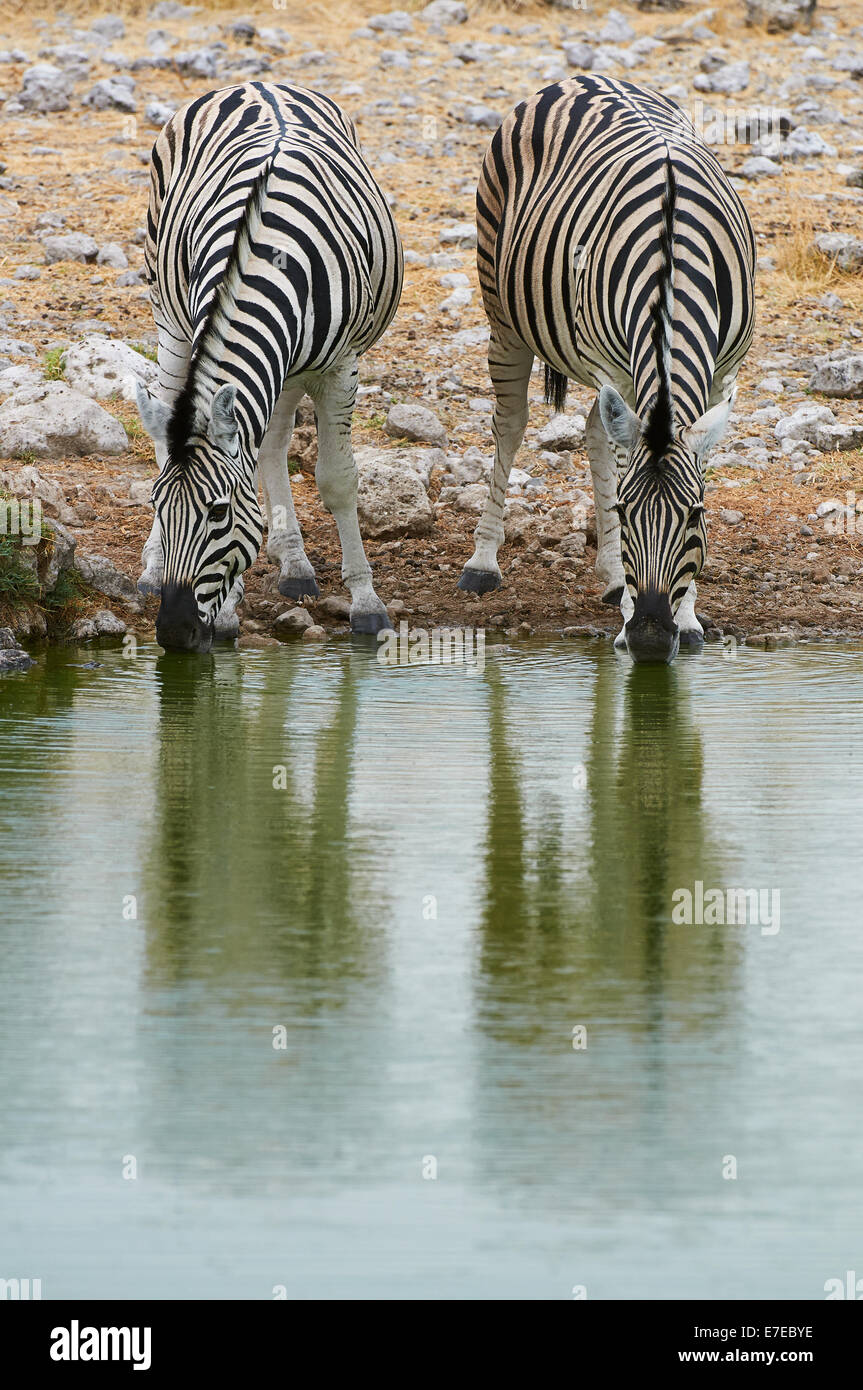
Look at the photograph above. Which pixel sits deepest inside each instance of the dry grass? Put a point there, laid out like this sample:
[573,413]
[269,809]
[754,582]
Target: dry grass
[802,272]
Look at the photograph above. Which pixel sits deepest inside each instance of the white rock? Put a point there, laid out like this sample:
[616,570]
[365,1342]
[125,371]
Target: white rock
[392,501]
[112,254]
[158,113]
[419,461]
[579,55]
[460,234]
[413,421]
[803,144]
[484,116]
[112,93]
[101,368]
[102,574]
[70,246]
[44,88]
[562,432]
[53,420]
[840,375]
[846,250]
[444,12]
[108,26]
[760,167]
[616,29]
[30,483]
[395,22]
[472,467]
[459,299]
[730,77]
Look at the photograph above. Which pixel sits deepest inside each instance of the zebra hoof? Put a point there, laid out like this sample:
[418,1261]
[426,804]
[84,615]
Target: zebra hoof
[291,587]
[478,581]
[691,638]
[613,595]
[367,624]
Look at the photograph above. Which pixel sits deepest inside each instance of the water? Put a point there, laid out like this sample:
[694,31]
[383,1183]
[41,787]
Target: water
[450,873]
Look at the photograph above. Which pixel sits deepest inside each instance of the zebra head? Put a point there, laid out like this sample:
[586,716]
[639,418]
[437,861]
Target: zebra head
[210,521]
[660,502]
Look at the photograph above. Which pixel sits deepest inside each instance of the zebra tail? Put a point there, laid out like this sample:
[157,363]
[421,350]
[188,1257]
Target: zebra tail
[556,387]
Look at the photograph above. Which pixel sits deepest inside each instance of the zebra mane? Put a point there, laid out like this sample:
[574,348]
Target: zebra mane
[659,426]
[205,374]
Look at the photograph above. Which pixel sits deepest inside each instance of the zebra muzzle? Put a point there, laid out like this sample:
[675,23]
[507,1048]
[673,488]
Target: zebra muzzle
[651,633]
[179,626]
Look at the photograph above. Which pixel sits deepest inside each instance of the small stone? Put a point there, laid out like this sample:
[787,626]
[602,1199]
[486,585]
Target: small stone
[562,432]
[334,606]
[395,22]
[293,620]
[112,93]
[108,26]
[760,167]
[417,422]
[71,246]
[444,12]
[14,660]
[315,633]
[483,116]
[52,420]
[731,518]
[45,88]
[847,251]
[108,624]
[112,254]
[461,234]
[579,55]
[101,367]
[839,376]
[730,77]
[102,574]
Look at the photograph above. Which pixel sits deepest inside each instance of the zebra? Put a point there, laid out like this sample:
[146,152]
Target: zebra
[611,246]
[273,262]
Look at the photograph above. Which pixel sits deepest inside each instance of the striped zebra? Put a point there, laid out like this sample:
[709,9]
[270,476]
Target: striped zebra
[611,246]
[273,263]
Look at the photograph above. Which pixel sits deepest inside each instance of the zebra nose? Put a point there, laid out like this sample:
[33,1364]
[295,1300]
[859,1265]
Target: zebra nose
[651,633]
[179,626]
[650,641]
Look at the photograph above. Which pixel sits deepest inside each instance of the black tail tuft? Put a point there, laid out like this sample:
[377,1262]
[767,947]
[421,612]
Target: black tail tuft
[556,387]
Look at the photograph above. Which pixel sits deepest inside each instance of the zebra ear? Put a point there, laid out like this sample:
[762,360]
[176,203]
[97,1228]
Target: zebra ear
[704,433]
[153,412]
[222,428]
[621,424]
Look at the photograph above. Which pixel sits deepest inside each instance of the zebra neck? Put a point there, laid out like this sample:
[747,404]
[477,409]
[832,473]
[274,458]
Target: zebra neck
[256,392]
[688,385]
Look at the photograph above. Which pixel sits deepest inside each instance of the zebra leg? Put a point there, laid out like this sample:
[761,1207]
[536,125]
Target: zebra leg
[174,356]
[627,608]
[509,365]
[284,541]
[603,471]
[691,631]
[334,394]
[227,625]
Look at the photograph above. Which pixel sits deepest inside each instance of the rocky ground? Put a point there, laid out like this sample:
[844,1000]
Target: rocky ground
[82,95]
